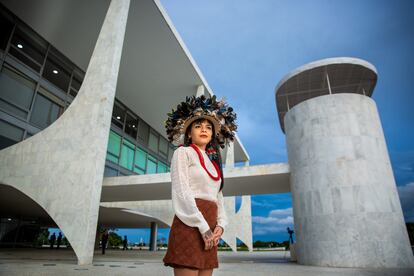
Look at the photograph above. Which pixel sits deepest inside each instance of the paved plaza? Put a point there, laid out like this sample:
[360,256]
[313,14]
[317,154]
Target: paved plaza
[135,262]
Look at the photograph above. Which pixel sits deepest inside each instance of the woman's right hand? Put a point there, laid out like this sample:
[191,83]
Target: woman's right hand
[208,238]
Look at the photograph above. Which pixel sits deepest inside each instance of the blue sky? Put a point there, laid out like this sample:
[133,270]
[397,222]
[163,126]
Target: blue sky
[245,47]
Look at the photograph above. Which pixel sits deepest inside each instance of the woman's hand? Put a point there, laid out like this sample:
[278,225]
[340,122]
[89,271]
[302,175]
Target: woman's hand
[218,231]
[208,240]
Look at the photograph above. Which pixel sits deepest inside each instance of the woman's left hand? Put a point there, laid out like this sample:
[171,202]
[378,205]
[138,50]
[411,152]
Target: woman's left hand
[218,231]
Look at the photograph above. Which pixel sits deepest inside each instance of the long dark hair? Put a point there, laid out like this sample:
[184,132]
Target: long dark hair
[213,143]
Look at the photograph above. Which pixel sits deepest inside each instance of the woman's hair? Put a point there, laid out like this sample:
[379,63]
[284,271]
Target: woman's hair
[213,143]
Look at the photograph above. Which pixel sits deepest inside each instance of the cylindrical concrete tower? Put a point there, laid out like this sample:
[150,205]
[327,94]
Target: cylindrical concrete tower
[347,212]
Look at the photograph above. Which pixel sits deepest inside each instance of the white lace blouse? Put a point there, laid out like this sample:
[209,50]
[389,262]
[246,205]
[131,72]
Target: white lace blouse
[189,181]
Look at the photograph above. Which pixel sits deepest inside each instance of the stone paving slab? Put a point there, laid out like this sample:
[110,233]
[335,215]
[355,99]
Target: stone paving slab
[117,262]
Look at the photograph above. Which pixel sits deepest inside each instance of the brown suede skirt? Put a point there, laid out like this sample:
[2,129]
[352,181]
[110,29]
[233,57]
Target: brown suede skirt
[186,245]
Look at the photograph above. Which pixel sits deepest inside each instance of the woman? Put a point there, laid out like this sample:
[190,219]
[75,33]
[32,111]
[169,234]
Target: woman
[200,125]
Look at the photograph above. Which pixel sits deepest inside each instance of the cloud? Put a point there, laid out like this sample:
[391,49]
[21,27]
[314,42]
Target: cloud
[276,222]
[263,230]
[272,220]
[406,194]
[278,212]
[263,203]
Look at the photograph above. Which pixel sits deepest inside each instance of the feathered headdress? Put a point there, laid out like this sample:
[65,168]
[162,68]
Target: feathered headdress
[219,113]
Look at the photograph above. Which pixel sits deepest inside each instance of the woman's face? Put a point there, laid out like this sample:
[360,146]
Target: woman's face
[201,133]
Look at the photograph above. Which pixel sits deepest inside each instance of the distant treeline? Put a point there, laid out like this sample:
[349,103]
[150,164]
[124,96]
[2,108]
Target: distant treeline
[260,243]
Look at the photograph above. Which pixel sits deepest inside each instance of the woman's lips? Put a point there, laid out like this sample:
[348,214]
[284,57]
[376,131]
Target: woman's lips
[204,136]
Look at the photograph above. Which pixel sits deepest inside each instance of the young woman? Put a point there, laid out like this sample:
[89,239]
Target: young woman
[197,183]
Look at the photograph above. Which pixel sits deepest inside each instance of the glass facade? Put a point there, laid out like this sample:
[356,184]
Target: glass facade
[16,91]
[132,157]
[114,147]
[45,111]
[6,23]
[9,134]
[38,83]
[56,72]
[30,49]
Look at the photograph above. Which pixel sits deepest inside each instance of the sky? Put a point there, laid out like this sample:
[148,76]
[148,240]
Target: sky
[244,48]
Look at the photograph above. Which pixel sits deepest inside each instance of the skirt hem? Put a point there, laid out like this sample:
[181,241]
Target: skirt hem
[190,266]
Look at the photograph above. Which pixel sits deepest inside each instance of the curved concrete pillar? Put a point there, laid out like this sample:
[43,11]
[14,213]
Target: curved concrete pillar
[61,167]
[240,223]
[244,221]
[346,207]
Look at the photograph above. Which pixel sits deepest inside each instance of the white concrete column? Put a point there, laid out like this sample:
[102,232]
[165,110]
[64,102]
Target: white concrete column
[346,207]
[230,155]
[153,236]
[240,223]
[244,221]
[200,90]
[61,167]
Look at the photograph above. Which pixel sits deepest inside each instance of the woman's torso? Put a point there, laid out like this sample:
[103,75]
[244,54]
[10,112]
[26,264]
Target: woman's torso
[202,185]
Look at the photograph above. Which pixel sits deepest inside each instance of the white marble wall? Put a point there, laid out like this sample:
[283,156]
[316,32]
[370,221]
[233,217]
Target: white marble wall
[346,207]
[61,168]
[239,226]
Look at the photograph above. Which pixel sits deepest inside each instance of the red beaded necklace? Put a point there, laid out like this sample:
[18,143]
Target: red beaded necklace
[200,156]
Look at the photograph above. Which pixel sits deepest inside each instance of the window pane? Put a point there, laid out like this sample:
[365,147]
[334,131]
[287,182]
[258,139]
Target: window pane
[162,168]
[9,108]
[16,88]
[51,96]
[114,143]
[143,132]
[56,72]
[127,156]
[28,48]
[5,30]
[108,172]
[151,165]
[76,82]
[131,126]
[170,152]
[34,65]
[163,146]
[44,111]
[128,143]
[73,92]
[9,134]
[118,116]
[140,158]
[138,170]
[112,158]
[153,142]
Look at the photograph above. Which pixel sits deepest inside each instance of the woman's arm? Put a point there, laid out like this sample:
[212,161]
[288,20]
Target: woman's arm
[184,204]
[221,213]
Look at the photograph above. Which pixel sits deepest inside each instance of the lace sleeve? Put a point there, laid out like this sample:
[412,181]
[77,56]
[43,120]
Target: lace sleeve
[221,213]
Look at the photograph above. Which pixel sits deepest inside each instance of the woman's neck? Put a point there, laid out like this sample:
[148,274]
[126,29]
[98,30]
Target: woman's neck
[203,147]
